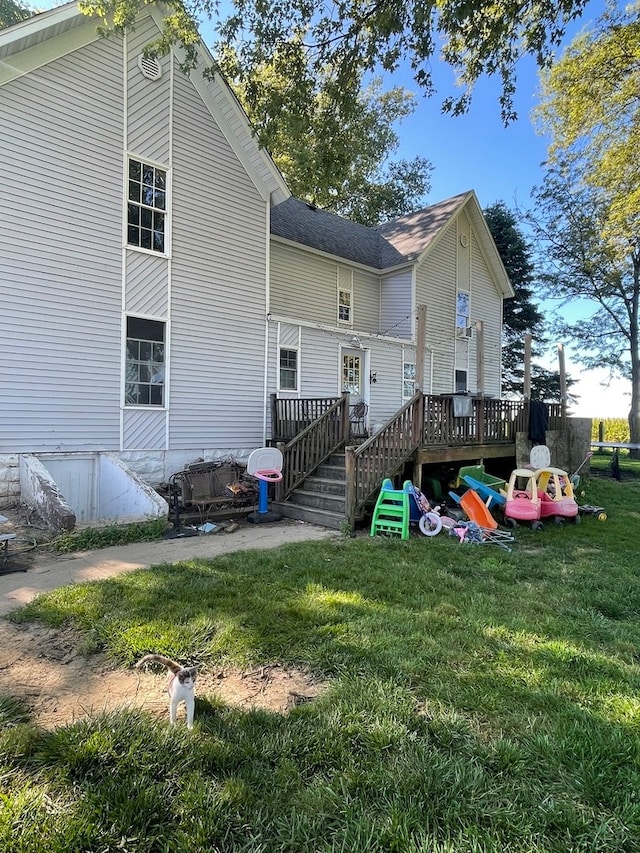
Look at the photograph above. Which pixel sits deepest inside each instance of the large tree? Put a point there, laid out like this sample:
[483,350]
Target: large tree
[521,314]
[581,263]
[12,13]
[591,110]
[334,152]
[588,209]
[352,36]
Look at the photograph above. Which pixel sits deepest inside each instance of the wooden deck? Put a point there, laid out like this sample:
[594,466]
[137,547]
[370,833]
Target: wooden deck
[427,429]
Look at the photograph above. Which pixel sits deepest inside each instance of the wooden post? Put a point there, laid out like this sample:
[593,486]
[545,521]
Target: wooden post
[563,381]
[350,488]
[279,486]
[345,423]
[275,426]
[526,391]
[480,357]
[421,334]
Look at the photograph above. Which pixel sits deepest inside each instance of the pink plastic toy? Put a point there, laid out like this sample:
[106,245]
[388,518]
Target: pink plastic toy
[523,502]
[556,495]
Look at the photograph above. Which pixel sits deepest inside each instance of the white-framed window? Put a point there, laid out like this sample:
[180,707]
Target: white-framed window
[146,206]
[145,362]
[408,379]
[288,376]
[462,309]
[461,382]
[344,306]
[345,296]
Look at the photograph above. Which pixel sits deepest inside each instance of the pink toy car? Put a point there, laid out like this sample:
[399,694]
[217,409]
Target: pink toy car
[556,495]
[523,501]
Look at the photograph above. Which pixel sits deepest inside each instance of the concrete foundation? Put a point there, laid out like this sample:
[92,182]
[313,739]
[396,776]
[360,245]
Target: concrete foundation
[568,448]
[91,488]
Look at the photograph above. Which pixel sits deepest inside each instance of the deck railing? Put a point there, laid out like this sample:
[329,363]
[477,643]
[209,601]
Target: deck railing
[290,417]
[458,420]
[382,455]
[309,449]
[424,421]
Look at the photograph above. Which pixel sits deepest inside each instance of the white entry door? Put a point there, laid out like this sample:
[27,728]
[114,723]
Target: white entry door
[354,381]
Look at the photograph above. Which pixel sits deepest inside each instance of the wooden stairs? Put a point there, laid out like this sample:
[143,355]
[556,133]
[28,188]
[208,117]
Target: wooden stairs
[322,497]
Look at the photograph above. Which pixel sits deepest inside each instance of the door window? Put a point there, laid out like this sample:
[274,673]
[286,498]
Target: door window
[352,373]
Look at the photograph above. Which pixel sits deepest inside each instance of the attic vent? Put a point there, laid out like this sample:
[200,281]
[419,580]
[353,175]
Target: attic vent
[150,67]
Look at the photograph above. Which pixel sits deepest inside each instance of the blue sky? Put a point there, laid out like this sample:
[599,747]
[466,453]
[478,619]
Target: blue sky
[476,151]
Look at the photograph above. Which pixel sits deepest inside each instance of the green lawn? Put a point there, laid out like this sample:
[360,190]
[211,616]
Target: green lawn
[478,701]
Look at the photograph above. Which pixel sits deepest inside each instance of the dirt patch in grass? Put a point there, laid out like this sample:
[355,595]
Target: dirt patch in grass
[45,667]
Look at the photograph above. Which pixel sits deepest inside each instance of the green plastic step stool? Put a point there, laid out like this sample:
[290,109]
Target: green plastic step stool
[391,513]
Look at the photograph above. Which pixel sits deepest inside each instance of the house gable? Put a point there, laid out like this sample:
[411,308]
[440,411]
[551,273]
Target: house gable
[72,281]
[47,36]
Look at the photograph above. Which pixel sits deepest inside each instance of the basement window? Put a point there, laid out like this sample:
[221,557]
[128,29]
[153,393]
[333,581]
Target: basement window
[145,362]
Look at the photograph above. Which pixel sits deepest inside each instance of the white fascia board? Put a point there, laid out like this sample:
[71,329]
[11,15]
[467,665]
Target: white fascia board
[21,62]
[37,23]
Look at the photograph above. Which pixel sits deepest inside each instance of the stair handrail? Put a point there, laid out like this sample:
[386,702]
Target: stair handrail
[382,455]
[312,446]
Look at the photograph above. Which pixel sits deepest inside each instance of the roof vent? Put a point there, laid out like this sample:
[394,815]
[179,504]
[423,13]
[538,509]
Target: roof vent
[150,67]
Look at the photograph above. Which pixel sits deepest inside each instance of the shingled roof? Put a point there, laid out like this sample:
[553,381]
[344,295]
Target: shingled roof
[409,235]
[397,242]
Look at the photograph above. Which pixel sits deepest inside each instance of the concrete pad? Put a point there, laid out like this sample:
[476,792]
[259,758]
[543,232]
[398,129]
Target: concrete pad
[19,588]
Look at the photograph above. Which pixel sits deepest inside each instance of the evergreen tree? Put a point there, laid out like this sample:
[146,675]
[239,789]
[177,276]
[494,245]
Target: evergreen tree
[521,314]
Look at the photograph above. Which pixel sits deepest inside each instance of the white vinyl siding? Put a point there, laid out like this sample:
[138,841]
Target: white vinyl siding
[366,301]
[144,429]
[487,307]
[148,102]
[147,288]
[396,304]
[306,286]
[436,287]
[302,285]
[218,302]
[61,369]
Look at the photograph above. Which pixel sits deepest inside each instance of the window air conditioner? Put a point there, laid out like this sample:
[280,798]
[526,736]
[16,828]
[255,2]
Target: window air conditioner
[465,332]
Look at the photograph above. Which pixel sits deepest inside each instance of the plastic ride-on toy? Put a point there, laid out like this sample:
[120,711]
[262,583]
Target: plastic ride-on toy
[523,501]
[556,495]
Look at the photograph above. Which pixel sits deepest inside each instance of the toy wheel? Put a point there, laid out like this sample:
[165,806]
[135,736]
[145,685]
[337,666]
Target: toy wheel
[559,520]
[510,522]
[577,519]
[602,516]
[430,524]
[537,525]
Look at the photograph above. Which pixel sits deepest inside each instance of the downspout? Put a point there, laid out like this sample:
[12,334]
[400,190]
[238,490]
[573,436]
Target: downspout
[267,298]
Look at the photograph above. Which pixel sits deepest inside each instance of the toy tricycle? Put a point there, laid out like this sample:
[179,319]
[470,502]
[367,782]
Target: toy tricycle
[522,502]
[556,495]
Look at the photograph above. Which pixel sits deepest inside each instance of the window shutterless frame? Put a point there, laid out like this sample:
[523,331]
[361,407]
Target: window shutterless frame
[345,296]
[287,369]
[408,379]
[147,203]
[145,362]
